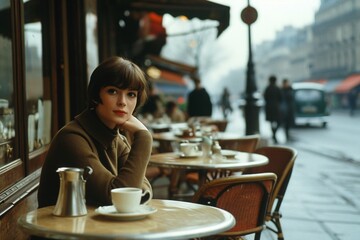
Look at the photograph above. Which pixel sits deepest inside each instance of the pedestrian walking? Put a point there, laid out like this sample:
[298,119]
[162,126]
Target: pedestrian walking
[287,108]
[225,103]
[273,97]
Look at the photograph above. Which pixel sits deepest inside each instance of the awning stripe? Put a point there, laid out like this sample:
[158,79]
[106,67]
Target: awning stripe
[348,83]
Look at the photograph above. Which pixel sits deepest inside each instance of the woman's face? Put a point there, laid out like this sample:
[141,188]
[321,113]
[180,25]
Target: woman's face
[117,105]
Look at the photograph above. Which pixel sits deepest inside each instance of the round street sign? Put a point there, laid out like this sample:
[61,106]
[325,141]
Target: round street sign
[249,15]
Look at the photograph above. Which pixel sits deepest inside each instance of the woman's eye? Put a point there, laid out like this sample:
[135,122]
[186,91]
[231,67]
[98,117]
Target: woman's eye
[111,91]
[132,94]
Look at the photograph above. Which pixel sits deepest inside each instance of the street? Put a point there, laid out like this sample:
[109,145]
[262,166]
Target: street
[340,139]
[322,199]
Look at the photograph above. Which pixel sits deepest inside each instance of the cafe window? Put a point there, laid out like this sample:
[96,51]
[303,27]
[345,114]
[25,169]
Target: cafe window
[92,49]
[7,122]
[25,89]
[38,106]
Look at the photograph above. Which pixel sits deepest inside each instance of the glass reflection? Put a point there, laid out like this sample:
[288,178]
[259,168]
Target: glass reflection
[91,36]
[7,131]
[34,83]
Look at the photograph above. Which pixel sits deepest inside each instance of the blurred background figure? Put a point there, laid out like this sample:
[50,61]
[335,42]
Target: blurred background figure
[352,99]
[154,107]
[225,103]
[174,113]
[287,107]
[198,101]
[273,97]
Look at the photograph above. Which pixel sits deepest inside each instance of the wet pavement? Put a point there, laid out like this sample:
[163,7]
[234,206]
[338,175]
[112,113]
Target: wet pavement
[322,201]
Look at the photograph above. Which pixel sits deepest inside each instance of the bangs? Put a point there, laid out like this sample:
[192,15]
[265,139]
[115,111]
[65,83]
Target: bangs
[129,80]
[129,76]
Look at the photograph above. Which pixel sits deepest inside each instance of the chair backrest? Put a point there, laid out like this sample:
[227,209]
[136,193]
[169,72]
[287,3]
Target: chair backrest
[245,197]
[245,143]
[220,124]
[281,162]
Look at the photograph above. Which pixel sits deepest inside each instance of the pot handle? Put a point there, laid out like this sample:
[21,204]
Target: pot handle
[87,172]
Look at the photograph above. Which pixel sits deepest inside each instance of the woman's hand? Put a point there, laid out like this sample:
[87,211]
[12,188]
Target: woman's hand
[133,125]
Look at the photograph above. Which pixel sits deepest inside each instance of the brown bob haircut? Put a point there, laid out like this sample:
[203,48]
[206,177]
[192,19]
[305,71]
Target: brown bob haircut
[120,73]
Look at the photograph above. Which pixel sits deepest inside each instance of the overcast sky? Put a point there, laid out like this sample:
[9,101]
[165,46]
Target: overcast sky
[273,15]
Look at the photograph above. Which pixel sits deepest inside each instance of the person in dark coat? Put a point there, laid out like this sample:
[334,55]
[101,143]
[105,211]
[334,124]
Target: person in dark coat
[287,107]
[272,96]
[225,103]
[352,95]
[199,101]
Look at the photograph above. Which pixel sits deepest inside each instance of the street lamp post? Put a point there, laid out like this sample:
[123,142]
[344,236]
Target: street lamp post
[251,108]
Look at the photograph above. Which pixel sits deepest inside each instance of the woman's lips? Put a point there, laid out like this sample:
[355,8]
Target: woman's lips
[119,112]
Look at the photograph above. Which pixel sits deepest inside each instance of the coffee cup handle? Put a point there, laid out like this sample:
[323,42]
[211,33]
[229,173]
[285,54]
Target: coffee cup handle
[146,196]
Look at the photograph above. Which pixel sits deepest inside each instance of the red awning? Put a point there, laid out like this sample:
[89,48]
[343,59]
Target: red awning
[172,77]
[202,9]
[348,83]
[151,26]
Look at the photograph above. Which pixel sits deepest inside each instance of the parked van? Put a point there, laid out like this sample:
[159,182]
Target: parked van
[311,106]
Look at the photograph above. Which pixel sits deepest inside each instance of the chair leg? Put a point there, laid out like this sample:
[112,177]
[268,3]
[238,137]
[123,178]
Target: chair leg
[275,219]
[257,235]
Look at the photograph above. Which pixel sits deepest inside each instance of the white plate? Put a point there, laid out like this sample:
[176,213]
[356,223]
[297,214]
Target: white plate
[110,211]
[198,154]
[228,153]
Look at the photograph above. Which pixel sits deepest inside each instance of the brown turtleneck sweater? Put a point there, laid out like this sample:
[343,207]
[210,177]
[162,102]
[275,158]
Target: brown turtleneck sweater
[86,141]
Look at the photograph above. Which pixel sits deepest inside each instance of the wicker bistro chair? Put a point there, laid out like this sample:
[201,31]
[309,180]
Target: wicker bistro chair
[220,125]
[246,143]
[281,162]
[245,197]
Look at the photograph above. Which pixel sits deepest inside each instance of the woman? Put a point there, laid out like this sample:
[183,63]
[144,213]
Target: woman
[117,88]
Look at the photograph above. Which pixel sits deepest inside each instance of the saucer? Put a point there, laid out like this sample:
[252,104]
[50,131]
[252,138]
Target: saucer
[198,154]
[228,153]
[110,211]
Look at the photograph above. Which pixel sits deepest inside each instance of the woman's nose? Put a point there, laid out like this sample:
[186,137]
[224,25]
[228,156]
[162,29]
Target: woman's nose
[121,100]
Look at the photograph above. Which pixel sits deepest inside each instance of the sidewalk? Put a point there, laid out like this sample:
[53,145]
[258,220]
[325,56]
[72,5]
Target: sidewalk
[322,198]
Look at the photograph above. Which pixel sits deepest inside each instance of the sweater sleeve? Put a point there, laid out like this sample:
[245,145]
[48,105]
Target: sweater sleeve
[132,173]
[75,149]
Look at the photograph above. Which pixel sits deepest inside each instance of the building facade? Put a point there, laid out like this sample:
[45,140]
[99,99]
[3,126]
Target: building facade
[327,51]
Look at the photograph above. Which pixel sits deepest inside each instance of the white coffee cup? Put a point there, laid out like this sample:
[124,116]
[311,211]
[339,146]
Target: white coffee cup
[128,199]
[189,149]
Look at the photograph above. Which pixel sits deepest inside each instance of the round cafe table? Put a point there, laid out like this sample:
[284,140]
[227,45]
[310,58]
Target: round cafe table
[240,161]
[172,136]
[172,220]
[168,139]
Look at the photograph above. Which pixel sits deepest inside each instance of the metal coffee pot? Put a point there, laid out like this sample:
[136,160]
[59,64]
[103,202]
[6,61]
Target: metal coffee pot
[71,198]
